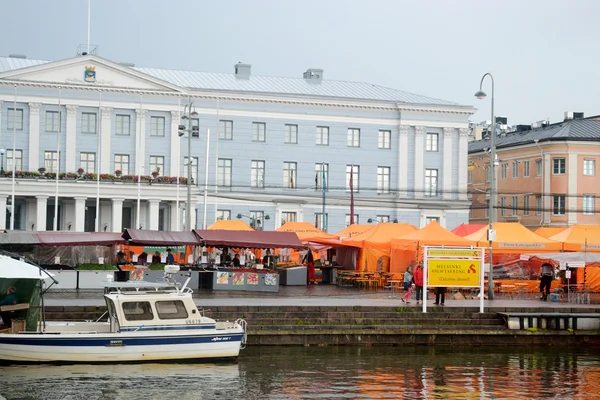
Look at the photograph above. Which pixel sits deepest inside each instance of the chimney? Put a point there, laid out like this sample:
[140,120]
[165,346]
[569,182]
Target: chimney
[313,75]
[573,115]
[242,71]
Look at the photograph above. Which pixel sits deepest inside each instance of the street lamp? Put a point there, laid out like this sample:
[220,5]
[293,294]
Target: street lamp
[184,128]
[493,190]
[253,219]
[2,151]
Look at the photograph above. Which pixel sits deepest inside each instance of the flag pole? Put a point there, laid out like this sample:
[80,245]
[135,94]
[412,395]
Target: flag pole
[351,194]
[14,164]
[57,160]
[99,133]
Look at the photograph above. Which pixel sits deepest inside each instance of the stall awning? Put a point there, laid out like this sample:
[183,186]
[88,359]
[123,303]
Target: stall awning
[17,237]
[51,238]
[160,238]
[249,239]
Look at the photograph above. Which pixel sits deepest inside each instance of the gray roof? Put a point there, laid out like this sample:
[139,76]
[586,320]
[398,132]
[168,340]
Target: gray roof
[264,84]
[576,130]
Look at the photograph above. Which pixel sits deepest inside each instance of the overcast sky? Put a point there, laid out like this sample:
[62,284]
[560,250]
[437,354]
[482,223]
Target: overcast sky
[543,54]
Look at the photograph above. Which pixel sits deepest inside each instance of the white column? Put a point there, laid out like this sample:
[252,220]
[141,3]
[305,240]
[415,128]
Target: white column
[117,215]
[193,221]
[34,136]
[41,208]
[546,197]
[80,214]
[572,196]
[403,160]
[105,129]
[463,158]
[175,145]
[140,143]
[3,198]
[71,139]
[153,211]
[447,172]
[419,166]
[31,206]
[175,215]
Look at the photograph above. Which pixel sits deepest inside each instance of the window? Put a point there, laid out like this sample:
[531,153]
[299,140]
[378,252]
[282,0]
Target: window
[320,223]
[352,175]
[429,220]
[515,205]
[385,140]
[515,169]
[291,134]
[538,205]
[469,176]
[348,223]
[157,126]
[122,125]
[257,219]
[558,204]
[559,166]
[224,172]
[157,163]
[172,309]
[589,167]
[15,119]
[87,161]
[383,180]
[289,175]
[431,142]
[504,170]
[353,137]
[321,176]
[225,130]
[323,135]
[193,172]
[383,218]
[137,311]
[257,174]
[51,121]
[526,169]
[538,167]
[287,216]
[431,182]
[18,160]
[224,214]
[588,204]
[259,130]
[122,163]
[88,122]
[51,161]
[526,205]
[487,208]
[503,206]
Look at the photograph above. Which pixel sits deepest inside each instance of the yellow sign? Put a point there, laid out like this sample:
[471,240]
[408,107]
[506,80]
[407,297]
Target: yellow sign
[453,273]
[454,253]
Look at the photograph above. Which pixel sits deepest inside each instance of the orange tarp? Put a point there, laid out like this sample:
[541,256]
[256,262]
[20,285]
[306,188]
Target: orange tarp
[354,229]
[548,232]
[576,237]
[230,225]
[467,229]
[513,237]
[305,231]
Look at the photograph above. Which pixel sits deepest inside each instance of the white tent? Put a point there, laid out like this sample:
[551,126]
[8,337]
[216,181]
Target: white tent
[16,269]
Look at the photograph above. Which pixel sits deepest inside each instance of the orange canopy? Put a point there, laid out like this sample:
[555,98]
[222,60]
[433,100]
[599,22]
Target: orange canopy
[466,229]
[380,237]
[513,237]
[431,235]
[230,225]
[548,232]
[354,229]
[576,237]
[305,231]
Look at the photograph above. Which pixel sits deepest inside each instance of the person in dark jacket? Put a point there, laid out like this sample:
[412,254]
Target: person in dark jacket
[267,260]
[440,295]
[236,261]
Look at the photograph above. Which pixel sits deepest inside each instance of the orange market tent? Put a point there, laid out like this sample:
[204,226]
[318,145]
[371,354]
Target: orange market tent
[305,231]
[513,237]
[579,238]
[376,245]
[230,225]
[467,229]
[354,229]
[548,232]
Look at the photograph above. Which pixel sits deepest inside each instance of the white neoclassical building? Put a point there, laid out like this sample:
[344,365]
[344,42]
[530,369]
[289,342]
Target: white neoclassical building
[267,149]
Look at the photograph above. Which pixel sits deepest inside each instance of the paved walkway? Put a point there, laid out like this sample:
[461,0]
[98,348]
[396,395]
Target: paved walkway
[318,295]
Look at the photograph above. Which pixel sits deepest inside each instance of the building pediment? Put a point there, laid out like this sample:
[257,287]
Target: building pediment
[89,71]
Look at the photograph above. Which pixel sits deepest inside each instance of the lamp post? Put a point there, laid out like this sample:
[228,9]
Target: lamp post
[2,151]
[184,128]
[252,219]
[493,190]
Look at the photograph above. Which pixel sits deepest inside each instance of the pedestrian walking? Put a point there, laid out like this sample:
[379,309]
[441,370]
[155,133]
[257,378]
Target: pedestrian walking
[407,285]
[418,278]
[546,281]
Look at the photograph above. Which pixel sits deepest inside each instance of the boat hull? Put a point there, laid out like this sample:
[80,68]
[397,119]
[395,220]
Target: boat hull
[120,347]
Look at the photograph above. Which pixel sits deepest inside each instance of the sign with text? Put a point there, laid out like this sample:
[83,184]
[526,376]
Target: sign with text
[454,273]
[437,252]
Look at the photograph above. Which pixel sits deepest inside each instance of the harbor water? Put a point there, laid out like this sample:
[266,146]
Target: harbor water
[326,373]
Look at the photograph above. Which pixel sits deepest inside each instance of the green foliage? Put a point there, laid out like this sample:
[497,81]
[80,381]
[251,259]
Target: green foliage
[157,267]
[533,330]
[96,267]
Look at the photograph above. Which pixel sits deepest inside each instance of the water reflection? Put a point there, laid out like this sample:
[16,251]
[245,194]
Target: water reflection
[326,373]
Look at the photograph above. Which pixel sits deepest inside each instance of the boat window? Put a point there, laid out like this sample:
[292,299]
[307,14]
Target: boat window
[137,311]
[171,309]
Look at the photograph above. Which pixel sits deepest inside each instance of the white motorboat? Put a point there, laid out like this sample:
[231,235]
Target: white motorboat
[147,321]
